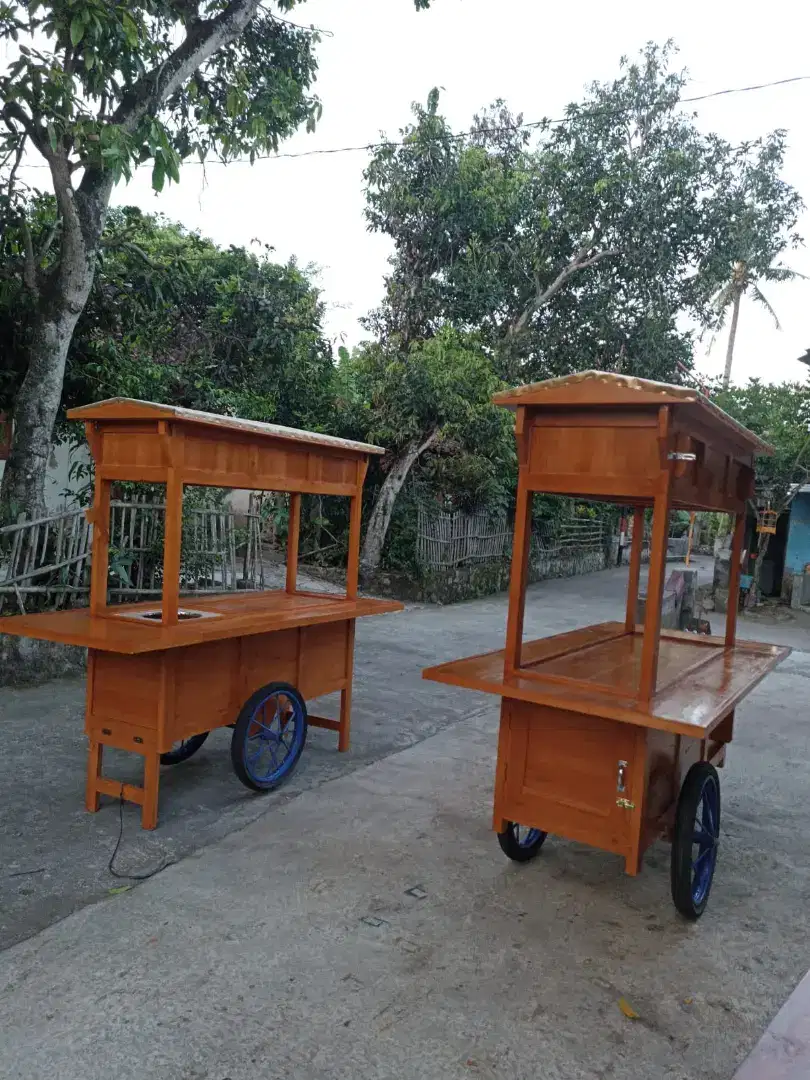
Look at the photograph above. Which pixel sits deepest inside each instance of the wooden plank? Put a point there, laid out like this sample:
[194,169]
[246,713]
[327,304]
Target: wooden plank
[658,558]
[734,572]
[635,569]
[100,560]
[355,523]
[293,535]
[242,614]
[172,548]
[323,722]
[518,577]
[693,706]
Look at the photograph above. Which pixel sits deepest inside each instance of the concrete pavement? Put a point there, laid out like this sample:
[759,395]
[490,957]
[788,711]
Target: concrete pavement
[365,923]
[371,928]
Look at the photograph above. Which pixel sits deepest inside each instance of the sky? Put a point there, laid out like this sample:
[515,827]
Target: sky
[382,55]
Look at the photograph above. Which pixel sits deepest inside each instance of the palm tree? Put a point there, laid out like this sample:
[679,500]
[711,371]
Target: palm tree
[744,279]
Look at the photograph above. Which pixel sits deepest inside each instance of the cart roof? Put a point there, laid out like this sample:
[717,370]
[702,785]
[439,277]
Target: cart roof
[132,409]
[605,389]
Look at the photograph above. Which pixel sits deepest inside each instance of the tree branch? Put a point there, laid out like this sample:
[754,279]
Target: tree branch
[203,39]
[579,262]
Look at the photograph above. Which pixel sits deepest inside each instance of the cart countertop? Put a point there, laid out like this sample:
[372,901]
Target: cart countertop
[235,615]
[592,670]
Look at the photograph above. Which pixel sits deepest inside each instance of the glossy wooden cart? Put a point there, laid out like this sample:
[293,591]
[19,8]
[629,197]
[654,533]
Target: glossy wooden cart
[161,677]
[610,734]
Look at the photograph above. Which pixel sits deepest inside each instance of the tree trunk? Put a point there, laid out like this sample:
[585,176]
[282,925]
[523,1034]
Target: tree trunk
[732,337]
[59,300]
[35,409]
[380,519]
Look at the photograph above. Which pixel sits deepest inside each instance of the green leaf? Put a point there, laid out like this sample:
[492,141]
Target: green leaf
[130,29]
[76,30]
[119,889]
[52,137]
[158,175]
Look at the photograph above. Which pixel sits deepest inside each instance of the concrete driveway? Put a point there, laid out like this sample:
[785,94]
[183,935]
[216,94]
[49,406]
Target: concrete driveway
[365,924]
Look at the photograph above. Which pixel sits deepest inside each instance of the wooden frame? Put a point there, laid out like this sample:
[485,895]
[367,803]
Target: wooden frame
[151,683]
[600,725]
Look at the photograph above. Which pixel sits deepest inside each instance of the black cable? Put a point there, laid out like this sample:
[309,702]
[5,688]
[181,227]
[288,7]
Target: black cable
[117,873]
[529,125]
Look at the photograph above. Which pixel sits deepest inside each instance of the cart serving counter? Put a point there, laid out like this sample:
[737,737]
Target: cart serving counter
[160,677]
[611,734]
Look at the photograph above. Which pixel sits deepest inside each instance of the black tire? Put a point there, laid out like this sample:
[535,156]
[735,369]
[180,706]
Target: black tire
[521,848]
[244,731]
[691,877]
[182,751]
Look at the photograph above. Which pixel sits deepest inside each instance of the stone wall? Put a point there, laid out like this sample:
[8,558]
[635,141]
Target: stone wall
[24,661]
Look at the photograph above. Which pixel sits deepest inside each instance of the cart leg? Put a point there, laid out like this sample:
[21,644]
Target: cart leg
[346,694]
[92,799]
[151,778]
[345,718]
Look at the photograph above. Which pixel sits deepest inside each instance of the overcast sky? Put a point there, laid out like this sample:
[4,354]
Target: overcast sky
[383,55]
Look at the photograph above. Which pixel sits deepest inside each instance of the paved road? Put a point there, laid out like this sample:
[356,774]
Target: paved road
[371,929]
[55,856]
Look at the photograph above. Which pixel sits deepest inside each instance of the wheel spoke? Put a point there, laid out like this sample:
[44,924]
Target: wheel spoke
[701,857]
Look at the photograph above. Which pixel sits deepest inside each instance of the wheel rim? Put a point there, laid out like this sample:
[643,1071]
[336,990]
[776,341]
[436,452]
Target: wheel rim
[705,837]
[274,737]
[524,836]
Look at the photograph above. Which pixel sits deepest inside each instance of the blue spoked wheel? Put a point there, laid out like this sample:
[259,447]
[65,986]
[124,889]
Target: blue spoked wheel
[269,736]
[695,840]
[521,842]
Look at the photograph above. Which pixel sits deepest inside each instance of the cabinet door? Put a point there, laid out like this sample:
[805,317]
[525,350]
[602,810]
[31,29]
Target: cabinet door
[570,774]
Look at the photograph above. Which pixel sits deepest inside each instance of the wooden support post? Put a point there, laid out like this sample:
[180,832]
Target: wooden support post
[293,535]
[172,547]
[95,756]
[100,551]
[635,569]
[355,524]
[658,565]
[151,781]
[518,578]
[734,571]
[344,731]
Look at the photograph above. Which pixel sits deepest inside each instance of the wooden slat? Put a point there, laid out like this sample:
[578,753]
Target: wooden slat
[691,706]
[293,533]
[240,614]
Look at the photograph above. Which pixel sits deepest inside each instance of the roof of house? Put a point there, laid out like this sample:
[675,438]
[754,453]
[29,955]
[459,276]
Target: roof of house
[596,389]
[132,409]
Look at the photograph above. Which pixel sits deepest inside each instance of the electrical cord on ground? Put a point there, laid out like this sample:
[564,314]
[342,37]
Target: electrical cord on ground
[110,865]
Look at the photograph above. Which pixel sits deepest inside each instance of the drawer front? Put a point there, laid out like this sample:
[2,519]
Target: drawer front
[140,740]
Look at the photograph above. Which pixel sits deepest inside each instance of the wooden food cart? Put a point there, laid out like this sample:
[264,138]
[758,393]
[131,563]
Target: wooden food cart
[611,734]
[160,677]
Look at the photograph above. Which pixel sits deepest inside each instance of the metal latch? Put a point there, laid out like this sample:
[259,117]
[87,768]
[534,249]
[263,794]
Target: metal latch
[677,455]
[625,804]
[621,777]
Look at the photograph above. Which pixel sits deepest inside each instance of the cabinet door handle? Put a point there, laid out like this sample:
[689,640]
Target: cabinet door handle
[621,777]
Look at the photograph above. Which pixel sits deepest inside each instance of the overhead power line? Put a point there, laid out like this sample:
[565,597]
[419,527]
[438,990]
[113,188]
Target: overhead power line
[523,126]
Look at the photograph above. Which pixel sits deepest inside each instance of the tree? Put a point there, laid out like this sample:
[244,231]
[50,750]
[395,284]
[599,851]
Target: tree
[578,251]
[780,414]
[438,395]
[172,317]
[97,88]
[760,211]
[608,214]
